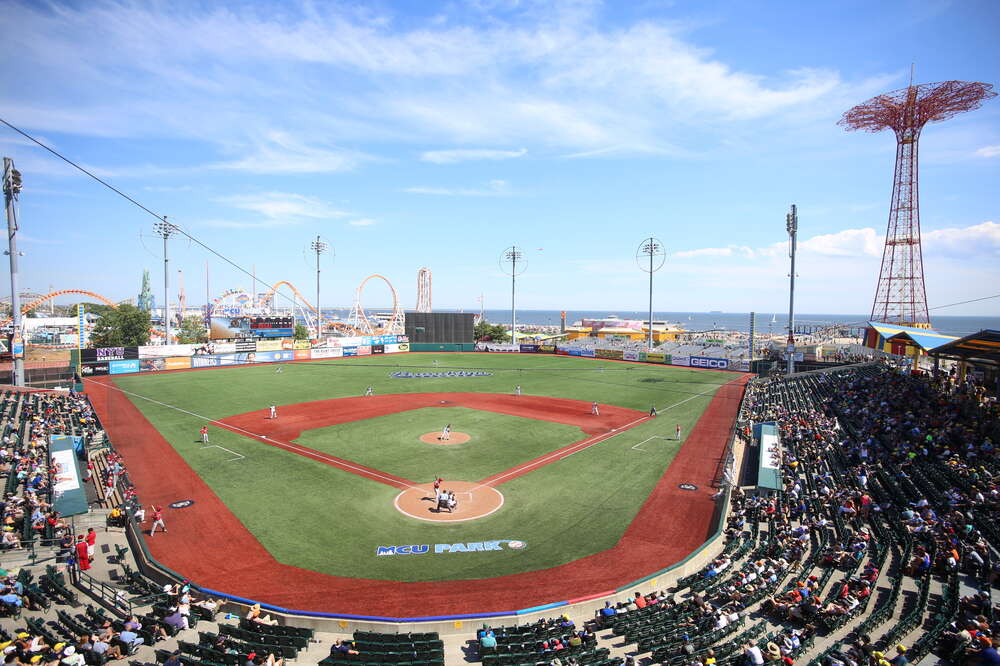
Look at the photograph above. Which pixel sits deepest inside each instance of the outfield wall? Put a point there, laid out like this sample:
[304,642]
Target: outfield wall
[706,362]
[156,358]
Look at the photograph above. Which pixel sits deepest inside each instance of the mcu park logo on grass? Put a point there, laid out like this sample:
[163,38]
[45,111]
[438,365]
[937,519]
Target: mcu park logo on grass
[469,547]
[438,375]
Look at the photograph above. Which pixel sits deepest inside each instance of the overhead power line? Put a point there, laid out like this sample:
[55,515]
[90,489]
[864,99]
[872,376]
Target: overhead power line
[159,218]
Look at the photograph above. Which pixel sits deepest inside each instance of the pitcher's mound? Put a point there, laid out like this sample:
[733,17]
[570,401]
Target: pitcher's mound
[474,501]
[454,438]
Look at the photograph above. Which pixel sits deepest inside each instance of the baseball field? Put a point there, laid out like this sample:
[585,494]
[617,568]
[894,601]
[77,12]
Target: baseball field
[339,483]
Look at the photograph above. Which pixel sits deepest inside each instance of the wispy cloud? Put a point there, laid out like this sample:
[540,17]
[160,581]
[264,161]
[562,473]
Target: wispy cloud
[278,209]
[362,222]
[280,152]
[494,188]
[469,154]
[989,151]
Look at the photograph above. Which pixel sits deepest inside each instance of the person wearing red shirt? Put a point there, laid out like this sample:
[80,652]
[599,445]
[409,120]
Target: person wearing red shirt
[204,434]
[82,560]
[91,543]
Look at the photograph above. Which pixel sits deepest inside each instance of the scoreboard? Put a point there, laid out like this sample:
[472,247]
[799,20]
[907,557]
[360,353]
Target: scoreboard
[226,328]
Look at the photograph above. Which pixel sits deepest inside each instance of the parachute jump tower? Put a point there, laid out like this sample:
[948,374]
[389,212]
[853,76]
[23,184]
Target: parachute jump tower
[900,297]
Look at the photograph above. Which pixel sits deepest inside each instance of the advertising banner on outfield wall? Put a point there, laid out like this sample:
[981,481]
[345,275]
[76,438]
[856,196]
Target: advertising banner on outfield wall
[123,367]
[350,351]
[95,369]
[163,351]
[680,360]
[301,344]
[105,354]
[378,349]
[302,354]
[205,361]
[268,345]
[589,353]
[155,364]
[219,348]
[327,353]
[743,365]
[403,346]
[528,349]
[177,362]
[364,350]
[245,345]
[275,356]
[709,362]
[547,349]
[656,357]
[613,354]
[629,355]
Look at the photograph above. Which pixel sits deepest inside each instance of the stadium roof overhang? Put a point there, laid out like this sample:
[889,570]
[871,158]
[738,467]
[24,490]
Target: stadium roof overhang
[981,347]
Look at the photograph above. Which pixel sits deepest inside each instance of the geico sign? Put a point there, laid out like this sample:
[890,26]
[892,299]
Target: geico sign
[702,362]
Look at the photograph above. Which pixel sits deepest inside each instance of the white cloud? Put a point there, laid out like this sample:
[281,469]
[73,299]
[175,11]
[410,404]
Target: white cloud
[468,154]
[989,151]
[704,252]
[280,152]
[963,242]
[494,188]
[278,209]
[362,222]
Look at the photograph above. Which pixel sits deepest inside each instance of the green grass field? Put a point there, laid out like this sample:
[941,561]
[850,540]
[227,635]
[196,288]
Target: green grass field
[390,443]
[329,520]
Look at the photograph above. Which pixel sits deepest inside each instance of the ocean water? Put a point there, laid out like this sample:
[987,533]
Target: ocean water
[737,321]
[705,321]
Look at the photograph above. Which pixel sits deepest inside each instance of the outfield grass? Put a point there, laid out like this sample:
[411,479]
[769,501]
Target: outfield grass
[391,443]
[322,518]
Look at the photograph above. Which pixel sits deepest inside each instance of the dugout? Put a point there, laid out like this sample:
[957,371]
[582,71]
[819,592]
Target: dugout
[440,328]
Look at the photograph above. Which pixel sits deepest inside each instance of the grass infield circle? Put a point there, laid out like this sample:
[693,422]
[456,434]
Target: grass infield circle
[474,501]
[454,438]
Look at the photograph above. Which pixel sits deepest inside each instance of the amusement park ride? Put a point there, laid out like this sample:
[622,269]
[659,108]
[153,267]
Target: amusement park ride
[238,303]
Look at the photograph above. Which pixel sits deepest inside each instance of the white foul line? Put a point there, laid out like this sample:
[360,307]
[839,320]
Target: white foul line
[308,453]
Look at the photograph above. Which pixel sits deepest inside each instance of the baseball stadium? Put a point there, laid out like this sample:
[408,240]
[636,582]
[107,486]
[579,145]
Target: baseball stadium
[283,474]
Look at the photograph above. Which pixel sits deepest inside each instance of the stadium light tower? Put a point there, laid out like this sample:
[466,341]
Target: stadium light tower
[792,226]
[11,189]
[650,256]
[513,262]
[165,229]
[318,246]
[900,296]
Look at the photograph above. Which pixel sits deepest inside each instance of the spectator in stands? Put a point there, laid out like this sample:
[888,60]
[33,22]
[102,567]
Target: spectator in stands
[176,620]
[254,615]
[343,647]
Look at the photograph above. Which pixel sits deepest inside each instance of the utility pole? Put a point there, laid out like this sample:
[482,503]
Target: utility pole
[792,226]
[165,229]
[11,188]
[319,247]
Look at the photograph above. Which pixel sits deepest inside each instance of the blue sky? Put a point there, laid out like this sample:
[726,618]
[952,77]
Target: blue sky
[437,134]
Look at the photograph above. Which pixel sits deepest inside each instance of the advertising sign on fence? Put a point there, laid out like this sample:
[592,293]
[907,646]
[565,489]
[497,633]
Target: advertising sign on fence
[547,349]
[153,364]
[708,362]
[378,349]
[364,350]
[123,367]
[655,357]
[95,369]
[528,349]
[327,353]
[589,353]
[350,351]
[104,354]
[301,344]
[302,354]
[162,351]
[268,345]
[275,356]
[177,363]
[680,360]
[744,365]
[630,355]
[614,354]
[245,345]
[205,361]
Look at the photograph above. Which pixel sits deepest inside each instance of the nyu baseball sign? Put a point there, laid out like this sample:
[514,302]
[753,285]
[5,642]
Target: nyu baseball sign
[706,362]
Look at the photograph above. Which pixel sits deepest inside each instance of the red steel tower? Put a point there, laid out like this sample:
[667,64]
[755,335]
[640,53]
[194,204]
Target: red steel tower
[900,297]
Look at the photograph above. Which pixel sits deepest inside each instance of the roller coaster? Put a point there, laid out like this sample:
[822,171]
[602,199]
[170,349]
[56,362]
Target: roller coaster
[359,322]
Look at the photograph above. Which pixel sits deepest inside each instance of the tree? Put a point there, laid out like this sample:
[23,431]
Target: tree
[192,330]
[485,331]
[126,326]
[99,309]
[301,332]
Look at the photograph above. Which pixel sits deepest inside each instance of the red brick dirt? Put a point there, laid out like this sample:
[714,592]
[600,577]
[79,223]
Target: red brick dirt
[209,545]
